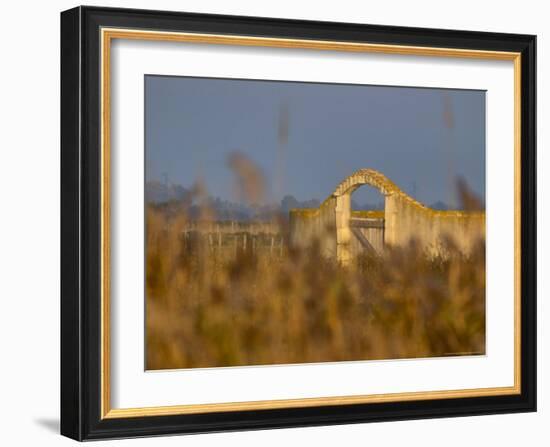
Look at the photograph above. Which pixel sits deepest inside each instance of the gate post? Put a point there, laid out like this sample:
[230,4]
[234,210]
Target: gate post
[343,231]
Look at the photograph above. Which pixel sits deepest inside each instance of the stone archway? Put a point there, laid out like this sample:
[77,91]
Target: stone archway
[404,218]
[345,231]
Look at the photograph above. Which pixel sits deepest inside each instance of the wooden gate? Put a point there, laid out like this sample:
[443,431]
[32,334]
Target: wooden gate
[368,235]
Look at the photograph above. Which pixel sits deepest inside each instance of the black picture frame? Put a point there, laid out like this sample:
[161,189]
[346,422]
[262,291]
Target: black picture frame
[81,224]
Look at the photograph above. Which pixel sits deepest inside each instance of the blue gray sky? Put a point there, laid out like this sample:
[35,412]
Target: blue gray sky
[307,137]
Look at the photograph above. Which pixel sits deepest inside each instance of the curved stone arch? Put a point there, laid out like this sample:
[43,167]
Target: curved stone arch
[377,180]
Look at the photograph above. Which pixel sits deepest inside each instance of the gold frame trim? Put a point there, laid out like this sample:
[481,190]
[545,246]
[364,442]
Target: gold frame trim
[107,35]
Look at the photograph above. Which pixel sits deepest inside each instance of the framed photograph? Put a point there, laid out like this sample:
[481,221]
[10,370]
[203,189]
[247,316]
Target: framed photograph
[277,223]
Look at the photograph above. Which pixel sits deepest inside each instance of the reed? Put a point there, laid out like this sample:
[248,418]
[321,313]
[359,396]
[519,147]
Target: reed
[253,305]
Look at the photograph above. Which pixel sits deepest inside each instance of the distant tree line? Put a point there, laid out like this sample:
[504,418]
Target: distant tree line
[174,197]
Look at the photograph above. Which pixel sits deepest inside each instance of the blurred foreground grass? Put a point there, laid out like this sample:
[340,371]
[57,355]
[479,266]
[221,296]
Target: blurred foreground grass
[211,308]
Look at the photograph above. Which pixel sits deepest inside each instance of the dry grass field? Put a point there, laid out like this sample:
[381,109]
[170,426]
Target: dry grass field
[214,304]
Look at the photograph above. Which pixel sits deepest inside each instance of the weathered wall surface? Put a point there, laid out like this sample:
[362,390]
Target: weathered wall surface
[404,219]
[304,226]
[315,225]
